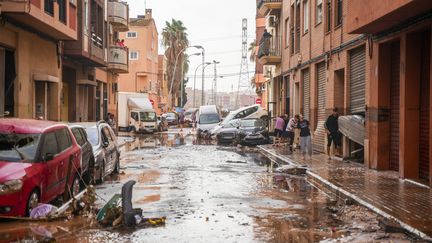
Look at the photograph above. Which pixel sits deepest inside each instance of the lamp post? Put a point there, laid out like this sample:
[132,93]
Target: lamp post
[204,66]
[175,67]
[202,77]
[182,80]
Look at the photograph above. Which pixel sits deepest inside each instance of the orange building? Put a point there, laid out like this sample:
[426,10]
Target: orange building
[142,42]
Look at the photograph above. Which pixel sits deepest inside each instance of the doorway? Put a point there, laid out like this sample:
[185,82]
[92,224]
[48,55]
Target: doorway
[7,79]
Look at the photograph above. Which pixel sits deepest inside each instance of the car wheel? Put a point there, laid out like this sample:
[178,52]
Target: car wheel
[117,166]
[32,201]
[102,173]
[76,186]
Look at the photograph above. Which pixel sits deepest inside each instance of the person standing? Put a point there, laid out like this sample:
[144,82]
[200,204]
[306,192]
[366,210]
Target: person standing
[333,135]
[290,129]
[181,120]
[305,137]
[279,124]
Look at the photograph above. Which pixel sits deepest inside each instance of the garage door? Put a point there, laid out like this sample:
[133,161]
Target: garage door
[306,93]
[394,106]
[319,139]
[424,112]
[357,77]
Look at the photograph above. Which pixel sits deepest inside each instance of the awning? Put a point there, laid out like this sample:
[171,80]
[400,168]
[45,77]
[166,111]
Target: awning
[86,82]
[45,78]
[140,103]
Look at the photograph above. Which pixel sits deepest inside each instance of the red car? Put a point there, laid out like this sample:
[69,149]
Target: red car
[34,164]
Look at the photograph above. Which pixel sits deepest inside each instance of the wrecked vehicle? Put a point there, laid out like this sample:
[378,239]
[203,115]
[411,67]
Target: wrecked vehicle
[39,161]
[105,149]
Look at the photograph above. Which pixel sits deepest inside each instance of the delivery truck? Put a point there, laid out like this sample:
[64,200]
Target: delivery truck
[136,113]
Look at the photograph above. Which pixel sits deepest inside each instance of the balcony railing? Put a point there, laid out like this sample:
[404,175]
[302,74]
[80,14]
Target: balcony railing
[118,59]
[269,52]
[262,2]
[118,15]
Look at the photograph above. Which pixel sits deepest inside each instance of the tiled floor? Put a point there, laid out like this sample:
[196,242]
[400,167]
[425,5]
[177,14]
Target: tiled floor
[383,191]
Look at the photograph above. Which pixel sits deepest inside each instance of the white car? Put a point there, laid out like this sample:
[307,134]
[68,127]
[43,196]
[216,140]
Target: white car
[253,111]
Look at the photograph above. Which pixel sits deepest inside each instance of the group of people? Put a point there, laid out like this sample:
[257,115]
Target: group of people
[286,129]
[120,43]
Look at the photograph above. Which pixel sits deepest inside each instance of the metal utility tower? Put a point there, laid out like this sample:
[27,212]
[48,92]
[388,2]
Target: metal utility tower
[213,98]
[244,82]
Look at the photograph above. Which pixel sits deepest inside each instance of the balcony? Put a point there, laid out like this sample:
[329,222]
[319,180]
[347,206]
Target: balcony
[118,15]
[118,59]
[56,19]
[269,52]
[264,6]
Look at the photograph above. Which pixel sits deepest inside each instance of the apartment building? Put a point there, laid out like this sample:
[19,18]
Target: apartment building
[142,42]
[366,58]
[398,118]
[32,33]
[91,64]
[162,83]
[260,76]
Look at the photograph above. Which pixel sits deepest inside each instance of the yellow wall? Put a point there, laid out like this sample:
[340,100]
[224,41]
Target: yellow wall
[33,55]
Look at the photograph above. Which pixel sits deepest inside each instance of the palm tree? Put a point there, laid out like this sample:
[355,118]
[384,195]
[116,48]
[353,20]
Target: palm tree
[175,40]
[253,51]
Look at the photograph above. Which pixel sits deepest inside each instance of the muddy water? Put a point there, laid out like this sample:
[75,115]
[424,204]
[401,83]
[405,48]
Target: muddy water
[208,193]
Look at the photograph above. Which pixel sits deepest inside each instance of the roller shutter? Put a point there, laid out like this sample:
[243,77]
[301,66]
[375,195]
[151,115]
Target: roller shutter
[306,93]
[394,107]
[357,77]
[319,139]
[424,116]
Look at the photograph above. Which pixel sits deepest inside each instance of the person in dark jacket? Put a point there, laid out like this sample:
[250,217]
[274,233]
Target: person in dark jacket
[305,137]
[332,128]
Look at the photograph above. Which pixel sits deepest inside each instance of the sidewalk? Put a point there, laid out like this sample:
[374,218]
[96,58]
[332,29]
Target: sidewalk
[381,191]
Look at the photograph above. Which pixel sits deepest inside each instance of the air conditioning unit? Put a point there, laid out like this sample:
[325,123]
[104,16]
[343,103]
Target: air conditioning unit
[271,21]
[269,71]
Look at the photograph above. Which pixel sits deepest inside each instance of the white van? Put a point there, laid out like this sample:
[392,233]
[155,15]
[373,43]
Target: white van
[208,117]
[253,111]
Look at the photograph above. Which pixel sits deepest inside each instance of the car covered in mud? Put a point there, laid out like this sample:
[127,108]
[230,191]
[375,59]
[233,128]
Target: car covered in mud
[105,149]
[37,158]
[87,157]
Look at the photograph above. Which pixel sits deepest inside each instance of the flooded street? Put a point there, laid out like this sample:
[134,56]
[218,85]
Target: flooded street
[211,193]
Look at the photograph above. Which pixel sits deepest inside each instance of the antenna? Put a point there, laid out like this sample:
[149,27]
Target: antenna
[244,82]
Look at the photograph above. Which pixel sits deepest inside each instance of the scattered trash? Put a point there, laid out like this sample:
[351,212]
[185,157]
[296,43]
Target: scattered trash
[292,170]
[390,226]
[43,211]
[236,162]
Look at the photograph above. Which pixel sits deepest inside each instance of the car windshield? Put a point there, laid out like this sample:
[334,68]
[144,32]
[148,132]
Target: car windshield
[93,135]
[147,116]
[18,147]
[208,118]
[252,123]
[171,115]
[228,118]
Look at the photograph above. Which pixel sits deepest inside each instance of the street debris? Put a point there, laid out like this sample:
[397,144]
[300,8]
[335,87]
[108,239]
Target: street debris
[292,170]
[43,211]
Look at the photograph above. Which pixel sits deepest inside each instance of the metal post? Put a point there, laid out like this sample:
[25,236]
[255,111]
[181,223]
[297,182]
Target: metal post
[202,77]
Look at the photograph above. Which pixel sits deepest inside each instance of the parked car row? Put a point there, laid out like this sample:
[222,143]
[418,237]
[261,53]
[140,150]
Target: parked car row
[248,131]
[43,160]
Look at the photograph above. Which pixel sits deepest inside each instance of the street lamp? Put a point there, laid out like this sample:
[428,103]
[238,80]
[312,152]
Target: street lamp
[205,65]
[182,81]
[175,67]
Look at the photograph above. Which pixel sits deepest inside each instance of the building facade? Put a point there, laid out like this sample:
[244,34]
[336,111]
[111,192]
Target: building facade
[162,83]
[142,42]
[366,58]
[31,39]
[398,117]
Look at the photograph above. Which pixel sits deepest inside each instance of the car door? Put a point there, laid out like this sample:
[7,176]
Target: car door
[109,148]
[52,168]
[114,141]
[65,157]
[83,143]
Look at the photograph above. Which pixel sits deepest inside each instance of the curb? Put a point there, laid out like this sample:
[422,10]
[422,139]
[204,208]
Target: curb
[337,190]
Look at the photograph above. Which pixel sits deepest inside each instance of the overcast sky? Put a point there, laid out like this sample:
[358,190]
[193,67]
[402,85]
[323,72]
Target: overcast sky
[214,24]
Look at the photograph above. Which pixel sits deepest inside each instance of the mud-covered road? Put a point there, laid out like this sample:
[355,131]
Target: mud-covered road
[211,193]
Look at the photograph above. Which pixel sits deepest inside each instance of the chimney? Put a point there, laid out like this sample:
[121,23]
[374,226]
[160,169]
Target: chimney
[148,13]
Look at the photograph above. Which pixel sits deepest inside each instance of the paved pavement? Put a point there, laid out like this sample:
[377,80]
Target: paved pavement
[381,191]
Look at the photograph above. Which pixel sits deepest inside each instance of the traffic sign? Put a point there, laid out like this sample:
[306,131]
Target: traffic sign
[258,101]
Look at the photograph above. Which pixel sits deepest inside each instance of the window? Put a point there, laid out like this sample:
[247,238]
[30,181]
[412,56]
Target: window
[305,16]
[338,13]
[133,55]
[286,32]
[63,139]
[328,15]
[134,115]
[62,10]
[49,7]
[131,34]
[319,9]
[86,22]
[50,144]
[78,136]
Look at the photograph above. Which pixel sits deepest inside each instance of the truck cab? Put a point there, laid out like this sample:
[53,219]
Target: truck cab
[142,121]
